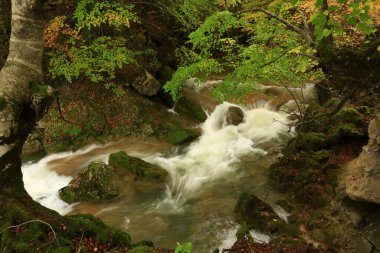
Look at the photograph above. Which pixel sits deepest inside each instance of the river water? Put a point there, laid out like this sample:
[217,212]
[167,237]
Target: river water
[206,179]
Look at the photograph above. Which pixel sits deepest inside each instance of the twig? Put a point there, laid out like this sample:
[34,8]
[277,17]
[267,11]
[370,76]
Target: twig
[305,34]
[60,112]
[31,221]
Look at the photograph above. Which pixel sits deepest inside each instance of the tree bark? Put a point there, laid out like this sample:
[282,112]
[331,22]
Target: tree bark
[20,107]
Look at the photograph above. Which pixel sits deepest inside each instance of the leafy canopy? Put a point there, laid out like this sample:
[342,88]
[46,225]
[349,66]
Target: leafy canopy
[278,42]
[75,53]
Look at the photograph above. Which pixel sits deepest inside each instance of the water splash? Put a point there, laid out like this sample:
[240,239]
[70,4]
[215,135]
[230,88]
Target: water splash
[43,184]
[216,153]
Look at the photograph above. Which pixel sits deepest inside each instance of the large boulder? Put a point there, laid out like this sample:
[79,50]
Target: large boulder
[143,81]
[95,183]
[142,176]
[363,174]
[234,116]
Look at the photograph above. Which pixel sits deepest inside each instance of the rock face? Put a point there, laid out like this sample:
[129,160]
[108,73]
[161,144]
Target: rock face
[234,116]
[140,175]
[97,182]
[363,174]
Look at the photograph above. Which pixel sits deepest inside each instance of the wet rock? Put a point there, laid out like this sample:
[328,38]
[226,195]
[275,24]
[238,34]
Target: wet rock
[146,84]
[97,182]
[34,142]
[363,174]
[257,214]
[143,176]
[234,116]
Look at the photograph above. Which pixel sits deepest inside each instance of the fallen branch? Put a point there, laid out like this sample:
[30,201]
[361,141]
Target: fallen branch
[32,221]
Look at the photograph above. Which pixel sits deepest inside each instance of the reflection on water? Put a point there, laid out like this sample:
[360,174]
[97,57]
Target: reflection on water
[206,180]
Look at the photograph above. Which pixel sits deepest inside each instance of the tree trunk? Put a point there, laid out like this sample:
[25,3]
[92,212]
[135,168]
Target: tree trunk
[19,110]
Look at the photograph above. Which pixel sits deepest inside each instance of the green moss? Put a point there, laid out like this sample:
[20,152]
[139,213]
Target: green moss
[366,110]
[39,88]
[140,169]
[143,249]
[3,103]
[332,102]
[62,250]
[349,116]
[119,160]
[341,131]
[190,109]
[311,141]
[321,155]
[180,136]
[21,247]
[97,182]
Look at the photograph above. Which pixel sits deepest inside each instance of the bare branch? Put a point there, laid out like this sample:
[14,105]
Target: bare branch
[32,221]
[304,33]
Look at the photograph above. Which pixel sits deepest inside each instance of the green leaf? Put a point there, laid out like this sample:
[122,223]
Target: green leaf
[184,248]
[326,32]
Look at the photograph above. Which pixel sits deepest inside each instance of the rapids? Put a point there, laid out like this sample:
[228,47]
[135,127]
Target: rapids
[207,178]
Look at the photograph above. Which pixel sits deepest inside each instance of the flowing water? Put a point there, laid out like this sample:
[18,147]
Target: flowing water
[206,179]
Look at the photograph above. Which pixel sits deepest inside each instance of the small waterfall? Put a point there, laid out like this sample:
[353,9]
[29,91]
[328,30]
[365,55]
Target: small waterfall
[216,153]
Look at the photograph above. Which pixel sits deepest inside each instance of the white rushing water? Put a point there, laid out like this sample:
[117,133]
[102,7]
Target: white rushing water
[201,170]
[218,150]
[43,183]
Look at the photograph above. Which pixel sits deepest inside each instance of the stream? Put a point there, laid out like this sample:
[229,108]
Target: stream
[206,180]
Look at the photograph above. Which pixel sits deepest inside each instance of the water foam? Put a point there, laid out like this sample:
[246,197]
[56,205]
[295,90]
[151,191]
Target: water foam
[215,154]
[43,184]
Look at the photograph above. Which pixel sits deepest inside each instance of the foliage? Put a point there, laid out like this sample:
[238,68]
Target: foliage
[74,53]
[190,13]
[184,248]
[98,60]
[92,13]
[232,90]
[201,67]
[210,35]
[277,42]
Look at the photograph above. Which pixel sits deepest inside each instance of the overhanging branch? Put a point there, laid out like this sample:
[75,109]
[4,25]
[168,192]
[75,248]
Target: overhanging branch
[304,33]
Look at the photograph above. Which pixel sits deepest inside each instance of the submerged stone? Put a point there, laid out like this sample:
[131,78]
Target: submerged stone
[234,116]
[97,182]
[142,176]
[257,214]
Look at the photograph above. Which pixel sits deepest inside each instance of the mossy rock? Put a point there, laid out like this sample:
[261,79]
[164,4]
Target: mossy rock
[180,136]
[256,214]
[341,131]
[369,111]
[191,109]
[321,155]
[143,249]
[34,235]
[140,169]
[97,182]
[349,116]
[142,177]
[311,141]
